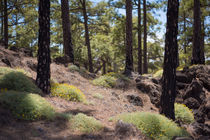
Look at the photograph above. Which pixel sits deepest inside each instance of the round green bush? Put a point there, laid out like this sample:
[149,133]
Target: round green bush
[26,106]
[183,114]
[105,81]
[19,82]
[67,92]
[85,124]
[74,68]
[153,125]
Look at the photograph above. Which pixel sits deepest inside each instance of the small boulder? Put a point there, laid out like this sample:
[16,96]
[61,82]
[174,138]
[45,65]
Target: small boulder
[195,90]
[192,103]
[135,100]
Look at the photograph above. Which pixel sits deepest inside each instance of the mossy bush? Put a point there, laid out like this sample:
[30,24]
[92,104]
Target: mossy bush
[68,92]
[19,82]
[110,80]
[6,70]
[158,73]
[153,125]
[183,114]
[105,81]
[26,106]
[85,124]
[74,68]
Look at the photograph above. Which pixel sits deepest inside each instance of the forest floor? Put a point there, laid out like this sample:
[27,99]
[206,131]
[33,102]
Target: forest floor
[114,102]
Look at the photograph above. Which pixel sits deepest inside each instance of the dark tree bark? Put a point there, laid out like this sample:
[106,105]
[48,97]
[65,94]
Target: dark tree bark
[139,39]
[185,46]
[43,67]
[196,53]
[87,39]
[67,40]
[104,66]
[202,42]
[5,25]
[129,47]
[2,19]
[170,61]
[145,38]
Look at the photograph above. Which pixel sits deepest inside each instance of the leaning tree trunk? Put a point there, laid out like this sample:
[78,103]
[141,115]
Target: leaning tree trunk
[43,67]
[145,38]
[196,53]
[67,40]
[139,39]
[170,61]
[129,47]
[5,25]
[87,39]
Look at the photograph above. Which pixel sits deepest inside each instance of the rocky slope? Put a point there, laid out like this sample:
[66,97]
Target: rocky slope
[193,90]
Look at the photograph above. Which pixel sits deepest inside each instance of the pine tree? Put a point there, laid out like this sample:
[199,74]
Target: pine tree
[145,37]
[67,40]
[129,47]
[87,38]
[139,39]
[5,25]
[197,51]
[43,67]
[170,61]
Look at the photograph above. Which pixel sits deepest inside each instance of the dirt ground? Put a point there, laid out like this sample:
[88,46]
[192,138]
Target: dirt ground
[114,102]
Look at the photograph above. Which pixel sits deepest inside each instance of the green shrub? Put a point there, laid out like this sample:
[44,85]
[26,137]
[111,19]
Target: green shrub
[110,80]
[183,114]
[26,106]
[85,124]
[105,81]
[74,68]
[158,73]
[19,82]
[153,125]
[68,92]
[98,96]
[118,76]
[6,70]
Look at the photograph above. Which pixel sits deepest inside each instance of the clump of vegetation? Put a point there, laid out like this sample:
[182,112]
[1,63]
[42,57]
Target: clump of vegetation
[74,68]
[153,125]
[18,81]
[110,80]
[158,73]
[68,92]
[105,81]
[118,76]
[183,114]
[26,106]
[85,124]
[98,96]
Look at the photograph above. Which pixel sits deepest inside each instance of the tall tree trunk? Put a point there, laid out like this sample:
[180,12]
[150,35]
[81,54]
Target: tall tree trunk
[5,25]
[145,38]
[87,39]
[202,42]
[43,67]
[2,19]
[129,47]
[67,40]
[196,53]
[139,39]
[170,61]
[185,46]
